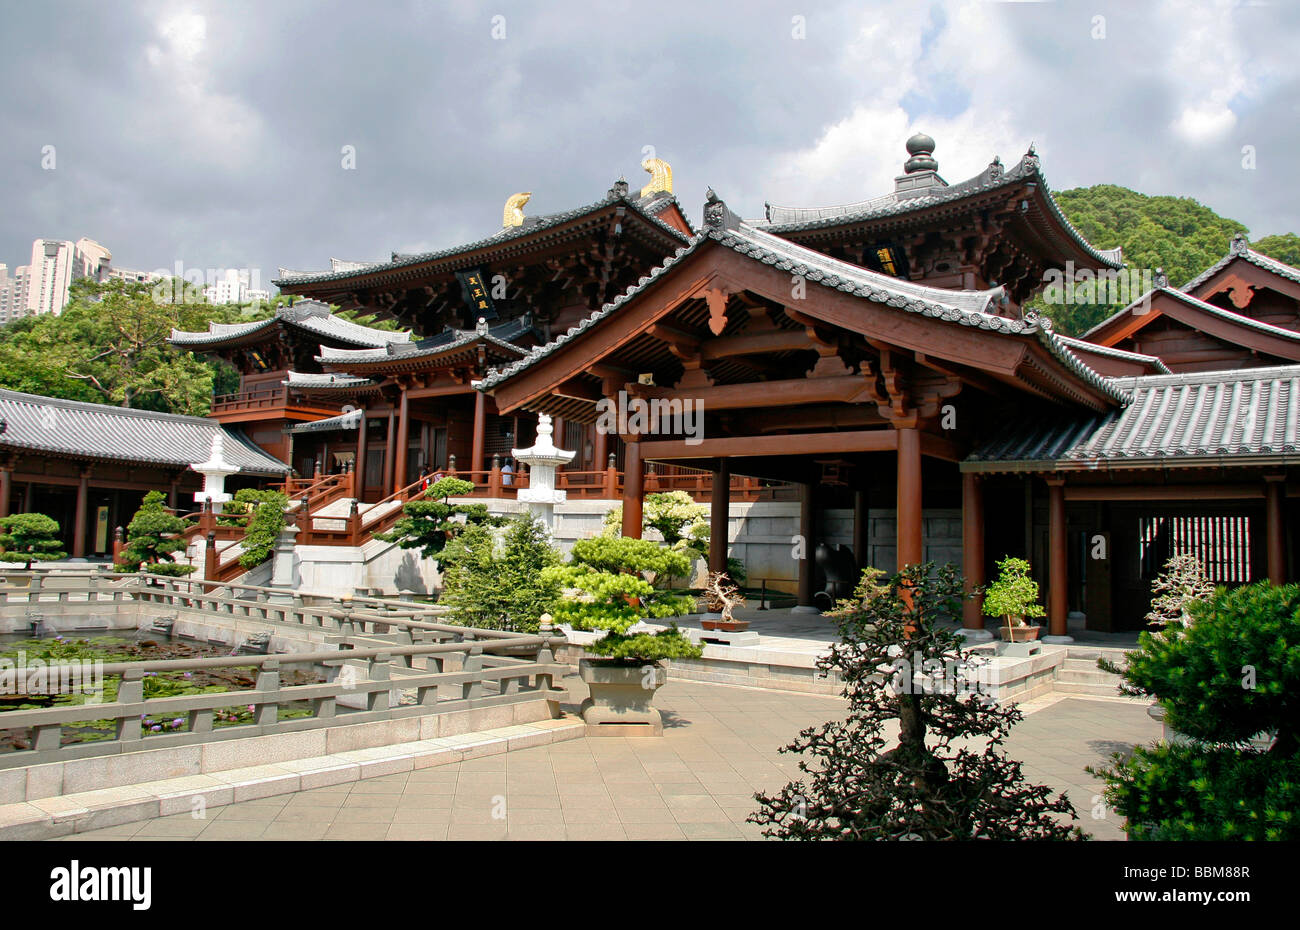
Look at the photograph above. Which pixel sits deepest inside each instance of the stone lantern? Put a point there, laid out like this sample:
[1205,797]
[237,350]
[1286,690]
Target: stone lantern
[214,472]
[542,459]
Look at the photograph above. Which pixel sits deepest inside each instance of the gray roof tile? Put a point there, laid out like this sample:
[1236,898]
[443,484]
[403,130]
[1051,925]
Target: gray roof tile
[98,431]
[310,315]
[1250,416]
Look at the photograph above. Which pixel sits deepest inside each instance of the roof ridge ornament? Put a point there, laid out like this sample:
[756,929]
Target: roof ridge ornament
[661,176]
[1160,279]
[921,149]
[482,327]
[620,188]
[514,211]
[716,214]
[1239,245]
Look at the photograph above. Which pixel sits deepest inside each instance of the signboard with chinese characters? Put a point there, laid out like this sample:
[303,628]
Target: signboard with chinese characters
[476,295]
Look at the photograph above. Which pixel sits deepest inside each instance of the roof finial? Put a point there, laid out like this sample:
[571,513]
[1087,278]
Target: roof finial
[482,326]
[921,148]
[715,211]
[661,176]
[620,187]
[514,212]
[1239,245]
[1160,279]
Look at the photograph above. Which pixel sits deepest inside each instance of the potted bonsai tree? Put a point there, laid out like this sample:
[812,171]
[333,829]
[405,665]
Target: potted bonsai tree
[1014,596]
[608,585]
[722,598]
[28,538]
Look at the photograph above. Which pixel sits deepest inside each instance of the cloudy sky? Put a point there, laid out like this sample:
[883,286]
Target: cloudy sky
[214,134]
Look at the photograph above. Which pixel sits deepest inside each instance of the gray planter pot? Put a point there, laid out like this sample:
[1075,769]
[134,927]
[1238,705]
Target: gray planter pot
[622,696]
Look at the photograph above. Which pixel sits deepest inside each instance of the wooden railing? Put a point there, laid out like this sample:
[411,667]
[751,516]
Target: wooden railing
[259,399]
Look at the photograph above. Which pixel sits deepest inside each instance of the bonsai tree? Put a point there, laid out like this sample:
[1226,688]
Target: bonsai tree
[1182,582]
[722,596]
[1228,679]
[30,537]
[431,520]
[153,534]
[1014,594]
[497,581]
[607,586]
[944,777]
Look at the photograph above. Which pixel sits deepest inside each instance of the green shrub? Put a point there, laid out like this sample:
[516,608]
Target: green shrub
[640,648]
[1231,673]
[151,537]
[265,524]
[30,537]
[499,582]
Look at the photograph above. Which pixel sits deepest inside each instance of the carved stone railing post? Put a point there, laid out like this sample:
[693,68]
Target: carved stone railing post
[266,712]
[378,671]
[130,691]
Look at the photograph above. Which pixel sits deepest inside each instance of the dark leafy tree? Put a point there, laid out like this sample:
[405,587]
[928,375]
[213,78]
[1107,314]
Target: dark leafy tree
[1229,679]
[431,521]
[496,581]
[945,776]
[30,537]
[152,536]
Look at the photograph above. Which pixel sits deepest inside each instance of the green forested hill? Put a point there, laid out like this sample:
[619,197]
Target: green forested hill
[1178,234]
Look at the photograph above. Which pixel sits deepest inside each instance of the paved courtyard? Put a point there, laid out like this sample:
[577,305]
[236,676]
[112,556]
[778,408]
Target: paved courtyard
[720,746]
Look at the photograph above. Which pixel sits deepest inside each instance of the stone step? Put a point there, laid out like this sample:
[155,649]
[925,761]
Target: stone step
[1083,665]
[1086,677]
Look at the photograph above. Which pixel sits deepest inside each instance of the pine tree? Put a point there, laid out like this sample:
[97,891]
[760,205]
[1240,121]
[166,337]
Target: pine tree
[944,777]
[30,537]
[151,537]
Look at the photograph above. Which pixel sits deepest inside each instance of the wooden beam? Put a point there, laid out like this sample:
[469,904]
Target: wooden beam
[1163,492]
[844,389]
[759,343]
[881,440]
[937,447]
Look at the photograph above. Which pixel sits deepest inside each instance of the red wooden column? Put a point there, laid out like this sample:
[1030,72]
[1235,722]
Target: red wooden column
[633,490]
[911,522]
[480,431]
[972,553]
[808,563]
[6,487]
[403,442]
[1058,577]
[719,511]
[1275,527]
[390,456]
[600,449]
[79,523]
[359,470]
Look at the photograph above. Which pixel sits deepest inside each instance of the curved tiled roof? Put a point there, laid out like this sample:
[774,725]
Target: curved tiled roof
[1237,318]
[309,381]
[531,225]
[1200,418]
[964,308]
[436,345]
[98,431]
[801,219]
[1259,259]
[310,315]
[1111,352]
[349,420]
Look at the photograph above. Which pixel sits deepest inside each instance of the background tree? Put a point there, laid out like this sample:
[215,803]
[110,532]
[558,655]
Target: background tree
[30,537]
[1230,674]
[152,536]
[899,664]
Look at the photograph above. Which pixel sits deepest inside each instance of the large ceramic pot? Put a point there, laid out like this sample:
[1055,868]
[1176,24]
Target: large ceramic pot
[726,626]
[622,695]
[1019,634]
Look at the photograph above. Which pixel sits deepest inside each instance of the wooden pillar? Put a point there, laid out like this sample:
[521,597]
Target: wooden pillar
[633,490]
[1275,527]
[719,511]
[6,487]
[390,456]
[910,519]
[972,548]
[79,523]
[359,467]
[1058,562]
[403,443]
[808,562]
[600,449]
[172,492]
[861,529]
[480,431]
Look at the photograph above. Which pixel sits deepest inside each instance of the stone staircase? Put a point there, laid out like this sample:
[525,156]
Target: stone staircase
[1079,673]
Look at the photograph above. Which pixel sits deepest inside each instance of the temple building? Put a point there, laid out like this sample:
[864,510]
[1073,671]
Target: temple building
[876,359]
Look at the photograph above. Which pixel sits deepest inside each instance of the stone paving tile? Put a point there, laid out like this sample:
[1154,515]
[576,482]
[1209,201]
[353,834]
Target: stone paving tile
[697,783]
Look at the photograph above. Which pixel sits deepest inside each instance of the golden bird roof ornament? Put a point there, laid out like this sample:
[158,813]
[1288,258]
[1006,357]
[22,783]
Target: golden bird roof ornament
[661,176]
[514,212]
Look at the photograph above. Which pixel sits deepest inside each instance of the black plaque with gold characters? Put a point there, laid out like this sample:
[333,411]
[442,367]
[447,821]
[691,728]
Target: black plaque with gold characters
[476,294]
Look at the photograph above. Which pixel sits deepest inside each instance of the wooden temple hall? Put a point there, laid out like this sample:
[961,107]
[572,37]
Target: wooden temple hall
[875,359]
